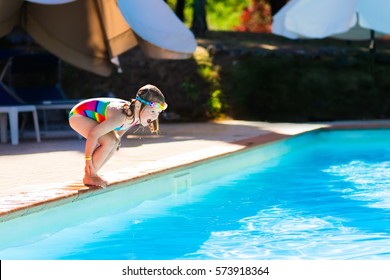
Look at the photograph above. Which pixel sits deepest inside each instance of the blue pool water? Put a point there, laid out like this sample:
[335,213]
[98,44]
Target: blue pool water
[328,197]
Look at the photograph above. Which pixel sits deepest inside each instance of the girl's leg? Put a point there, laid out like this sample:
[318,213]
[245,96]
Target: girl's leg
[82,125]
[106,149]
[107,145]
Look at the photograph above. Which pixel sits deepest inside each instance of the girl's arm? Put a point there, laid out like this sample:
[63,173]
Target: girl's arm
[120,133]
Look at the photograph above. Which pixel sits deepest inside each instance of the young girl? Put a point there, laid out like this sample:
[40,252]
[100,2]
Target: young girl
[103,121]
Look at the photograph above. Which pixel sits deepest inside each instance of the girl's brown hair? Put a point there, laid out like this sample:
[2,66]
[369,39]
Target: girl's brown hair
[151,93]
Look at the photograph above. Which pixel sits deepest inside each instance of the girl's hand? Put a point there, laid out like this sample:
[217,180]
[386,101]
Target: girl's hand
[117,136]
[118,140]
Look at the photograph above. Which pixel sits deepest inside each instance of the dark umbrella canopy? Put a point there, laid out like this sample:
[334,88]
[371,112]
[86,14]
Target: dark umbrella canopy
[89,34]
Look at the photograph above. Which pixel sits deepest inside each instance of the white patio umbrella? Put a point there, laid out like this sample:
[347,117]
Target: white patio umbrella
[346,19]
[155,22]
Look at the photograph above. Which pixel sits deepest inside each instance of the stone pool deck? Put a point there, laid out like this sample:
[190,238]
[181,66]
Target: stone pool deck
[36,175]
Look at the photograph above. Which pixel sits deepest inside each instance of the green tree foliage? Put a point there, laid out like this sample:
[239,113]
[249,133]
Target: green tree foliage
[245,15]
[225,14]
[220,14]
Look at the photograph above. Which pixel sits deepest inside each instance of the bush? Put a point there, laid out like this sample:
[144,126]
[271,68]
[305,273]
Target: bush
[287,87]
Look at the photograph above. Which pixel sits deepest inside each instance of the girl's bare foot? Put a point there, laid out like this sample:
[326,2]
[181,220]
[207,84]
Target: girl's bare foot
[94,181]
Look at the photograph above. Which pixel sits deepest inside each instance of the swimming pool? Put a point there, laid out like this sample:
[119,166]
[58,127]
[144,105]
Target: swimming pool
[320,195]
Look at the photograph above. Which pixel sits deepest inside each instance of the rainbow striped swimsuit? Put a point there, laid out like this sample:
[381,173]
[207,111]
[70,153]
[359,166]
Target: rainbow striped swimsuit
[95,109]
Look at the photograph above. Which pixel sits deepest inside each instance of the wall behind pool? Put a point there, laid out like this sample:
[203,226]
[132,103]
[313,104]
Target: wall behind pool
[35,226]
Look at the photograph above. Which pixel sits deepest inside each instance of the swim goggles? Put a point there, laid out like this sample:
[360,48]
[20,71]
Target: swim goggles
[156,105]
